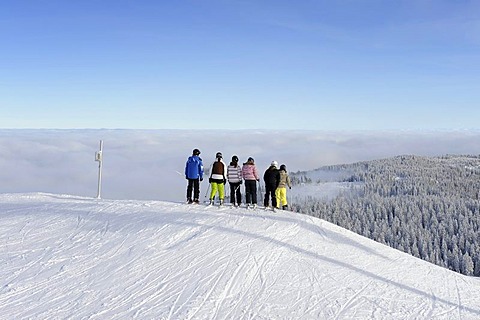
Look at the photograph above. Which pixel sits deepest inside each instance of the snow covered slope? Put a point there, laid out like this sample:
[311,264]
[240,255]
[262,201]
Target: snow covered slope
[82,258]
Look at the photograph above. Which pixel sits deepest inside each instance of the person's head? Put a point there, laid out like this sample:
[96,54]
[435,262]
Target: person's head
[219,155]
[274,164]
[234,159]
[196,152]
[250,160]
[283,167]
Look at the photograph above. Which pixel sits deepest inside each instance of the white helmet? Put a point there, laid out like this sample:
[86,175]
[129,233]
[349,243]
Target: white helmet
[274,164]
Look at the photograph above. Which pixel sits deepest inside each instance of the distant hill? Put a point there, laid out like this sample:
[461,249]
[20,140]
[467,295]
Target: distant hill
[426,206]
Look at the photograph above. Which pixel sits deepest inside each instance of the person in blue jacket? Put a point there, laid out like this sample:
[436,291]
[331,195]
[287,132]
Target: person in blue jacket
[194,174]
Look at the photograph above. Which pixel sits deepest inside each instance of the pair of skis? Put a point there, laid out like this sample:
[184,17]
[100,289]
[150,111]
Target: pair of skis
[223,205]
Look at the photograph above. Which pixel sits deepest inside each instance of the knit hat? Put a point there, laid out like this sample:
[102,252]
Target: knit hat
[274,164]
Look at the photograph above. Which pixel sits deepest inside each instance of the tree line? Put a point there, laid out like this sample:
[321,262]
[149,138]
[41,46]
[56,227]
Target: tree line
[428,207]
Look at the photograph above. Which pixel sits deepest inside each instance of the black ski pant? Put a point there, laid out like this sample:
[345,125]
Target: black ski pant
[250,191]
[193,185]
[235,194]
[270,192]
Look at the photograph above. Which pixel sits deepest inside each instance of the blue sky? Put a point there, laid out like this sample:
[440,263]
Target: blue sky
[216,64]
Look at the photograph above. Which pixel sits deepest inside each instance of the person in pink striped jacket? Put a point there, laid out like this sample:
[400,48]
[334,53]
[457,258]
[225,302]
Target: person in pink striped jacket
[250,175]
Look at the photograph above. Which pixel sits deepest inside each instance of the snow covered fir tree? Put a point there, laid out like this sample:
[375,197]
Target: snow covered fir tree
[426,206]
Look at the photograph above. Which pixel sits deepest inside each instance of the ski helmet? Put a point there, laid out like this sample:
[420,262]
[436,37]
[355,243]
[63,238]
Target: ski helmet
[274,164]
[218,155]
[235,159]
[196,152]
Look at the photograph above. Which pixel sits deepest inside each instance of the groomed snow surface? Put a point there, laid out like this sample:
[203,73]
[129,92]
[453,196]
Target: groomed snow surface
[68,257]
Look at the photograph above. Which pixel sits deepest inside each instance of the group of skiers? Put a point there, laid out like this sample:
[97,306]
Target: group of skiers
[276,181]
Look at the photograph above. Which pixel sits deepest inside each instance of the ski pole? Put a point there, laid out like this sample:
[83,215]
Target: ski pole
[226,194]
[260,192]
[208,188]
[179,173]
[235,194]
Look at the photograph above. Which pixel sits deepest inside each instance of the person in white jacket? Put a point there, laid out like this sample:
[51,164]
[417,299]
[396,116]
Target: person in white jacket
[234,177]
[218,178]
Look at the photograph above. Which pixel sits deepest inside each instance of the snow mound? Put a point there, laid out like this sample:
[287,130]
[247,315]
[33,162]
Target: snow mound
[70,257]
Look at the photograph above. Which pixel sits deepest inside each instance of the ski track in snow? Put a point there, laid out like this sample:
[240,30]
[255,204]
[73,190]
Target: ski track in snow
[80,258]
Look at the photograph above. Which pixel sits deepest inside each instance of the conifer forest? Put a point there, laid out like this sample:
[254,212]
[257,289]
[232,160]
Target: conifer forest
[426,206]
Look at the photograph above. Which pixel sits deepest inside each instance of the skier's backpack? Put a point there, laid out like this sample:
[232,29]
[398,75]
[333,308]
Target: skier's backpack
[218,168]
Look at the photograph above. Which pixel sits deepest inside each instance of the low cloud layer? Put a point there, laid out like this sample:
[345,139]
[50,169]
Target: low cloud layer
[149,164]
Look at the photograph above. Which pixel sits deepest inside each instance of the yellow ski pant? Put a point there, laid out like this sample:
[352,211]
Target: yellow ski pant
[281,194]
[220,187]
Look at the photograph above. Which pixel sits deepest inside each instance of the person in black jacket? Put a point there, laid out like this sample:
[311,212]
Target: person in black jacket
[272,179]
